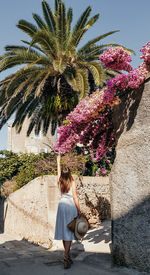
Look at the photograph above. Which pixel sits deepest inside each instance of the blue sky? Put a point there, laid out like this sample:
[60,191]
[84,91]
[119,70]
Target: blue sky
[131,17]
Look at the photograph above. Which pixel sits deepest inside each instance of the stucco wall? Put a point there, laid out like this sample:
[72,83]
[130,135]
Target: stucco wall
[31,211]
[130,181]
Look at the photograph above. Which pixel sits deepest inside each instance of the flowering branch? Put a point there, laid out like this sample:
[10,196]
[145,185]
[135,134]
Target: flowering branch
[90,122]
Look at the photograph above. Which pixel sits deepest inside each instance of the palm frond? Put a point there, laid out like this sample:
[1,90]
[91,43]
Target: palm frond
[98,72]
[5,55]
[20,77]
[27,27]
[22,56]
[61,25]
[12,105]
[90,51]
[46,124]
[82,80]
[35,118]
[78,31]
[56,5]
[104,46]
[93,41]
[21,87]
[72,81]
[53,75]
[60,64]
[83,19]
[91,21]
[46,42]
[34,46]
[34,84]
[40,86]
[6,80]
[2,96]
[21,114]
[39,21]
[69,20]
[49,17]
[53,126]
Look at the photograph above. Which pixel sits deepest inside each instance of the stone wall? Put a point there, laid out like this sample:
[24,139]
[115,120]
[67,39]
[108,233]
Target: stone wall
[26,214]
[94,196]
[30,212]
[130,181]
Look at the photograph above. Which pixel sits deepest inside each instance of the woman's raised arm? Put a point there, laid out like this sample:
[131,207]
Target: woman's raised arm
[58,167]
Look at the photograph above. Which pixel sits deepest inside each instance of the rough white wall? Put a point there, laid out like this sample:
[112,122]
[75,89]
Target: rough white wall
[31,211]
[130,181]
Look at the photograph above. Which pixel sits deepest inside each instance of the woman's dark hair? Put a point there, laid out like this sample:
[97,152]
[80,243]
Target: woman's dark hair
[65,180]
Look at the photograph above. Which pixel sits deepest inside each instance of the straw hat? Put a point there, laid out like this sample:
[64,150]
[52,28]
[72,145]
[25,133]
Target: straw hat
[81,227]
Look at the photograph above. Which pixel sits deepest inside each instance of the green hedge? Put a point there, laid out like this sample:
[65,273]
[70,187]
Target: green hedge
[23,168]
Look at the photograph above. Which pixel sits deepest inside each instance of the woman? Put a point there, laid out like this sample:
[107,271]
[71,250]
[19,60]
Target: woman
[68,209]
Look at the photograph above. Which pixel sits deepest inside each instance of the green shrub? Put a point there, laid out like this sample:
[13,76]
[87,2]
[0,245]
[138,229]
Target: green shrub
[9,165]
[22,168]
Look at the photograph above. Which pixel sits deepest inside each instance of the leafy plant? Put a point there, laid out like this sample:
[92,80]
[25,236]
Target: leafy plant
[21,169]
[9,165]
[54,74]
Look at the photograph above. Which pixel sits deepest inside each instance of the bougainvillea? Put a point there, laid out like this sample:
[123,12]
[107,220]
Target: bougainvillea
[146,53]
[130,81]
[116,59]
[90,122]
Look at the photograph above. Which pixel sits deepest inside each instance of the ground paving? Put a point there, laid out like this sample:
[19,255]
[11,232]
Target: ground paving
[91,257]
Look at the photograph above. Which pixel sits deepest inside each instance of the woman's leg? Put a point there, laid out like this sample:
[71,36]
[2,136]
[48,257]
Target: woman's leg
[67,245]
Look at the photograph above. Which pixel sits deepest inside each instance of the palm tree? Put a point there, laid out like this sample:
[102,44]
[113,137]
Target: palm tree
[54,74]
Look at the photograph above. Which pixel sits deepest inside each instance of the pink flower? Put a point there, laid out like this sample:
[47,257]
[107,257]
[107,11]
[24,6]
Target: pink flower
[90,122]
[116,59]
[146,53]
[104,171]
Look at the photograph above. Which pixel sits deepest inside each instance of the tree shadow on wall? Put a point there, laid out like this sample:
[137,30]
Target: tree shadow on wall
[131,237]
[102,209]
[125,113]
[2,218]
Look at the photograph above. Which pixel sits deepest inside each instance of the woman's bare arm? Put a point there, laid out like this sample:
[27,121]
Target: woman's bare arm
[75,196]
[58,167]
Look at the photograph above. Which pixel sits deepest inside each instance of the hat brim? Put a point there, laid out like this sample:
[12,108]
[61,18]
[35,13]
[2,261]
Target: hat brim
[77,234]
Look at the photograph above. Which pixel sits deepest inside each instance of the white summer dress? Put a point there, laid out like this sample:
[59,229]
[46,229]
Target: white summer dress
[66,212]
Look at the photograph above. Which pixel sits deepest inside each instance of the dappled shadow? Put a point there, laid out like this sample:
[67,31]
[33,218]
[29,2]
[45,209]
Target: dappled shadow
[2,214]
[125,113]
[100,208]
[21,258]
[131,237]
[18,257]
[101,234]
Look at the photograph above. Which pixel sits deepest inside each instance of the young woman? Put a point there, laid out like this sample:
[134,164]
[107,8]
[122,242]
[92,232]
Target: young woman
[68,209]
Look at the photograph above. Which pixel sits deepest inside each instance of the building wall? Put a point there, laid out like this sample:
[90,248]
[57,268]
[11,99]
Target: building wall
[19,142]
[130,181]
[30,212]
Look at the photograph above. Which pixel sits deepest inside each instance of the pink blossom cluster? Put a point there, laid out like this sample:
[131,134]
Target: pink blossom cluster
[69,136]
[101,172]
[90,122]
[94,134]
[130,81]
[87,107]
[146,53]
[85,122]
[116,59]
